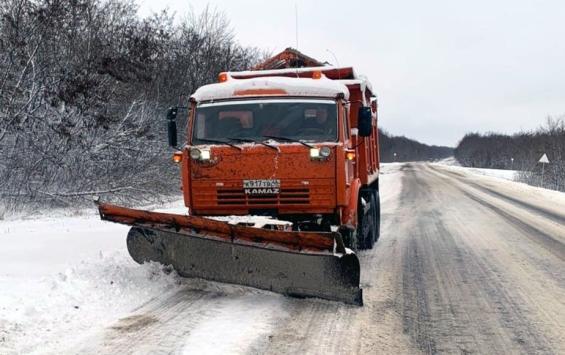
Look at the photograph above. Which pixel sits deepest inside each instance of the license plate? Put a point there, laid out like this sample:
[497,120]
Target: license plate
[261,187]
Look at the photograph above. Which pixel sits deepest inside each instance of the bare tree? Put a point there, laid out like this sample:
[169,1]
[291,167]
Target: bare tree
[83,86]
[520,152]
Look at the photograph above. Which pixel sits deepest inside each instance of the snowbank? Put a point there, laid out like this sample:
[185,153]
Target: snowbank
[62,275]
[504,181]
[390,184]
[454,165]
[449,161]
[497,173]
[38,316]
[65,280]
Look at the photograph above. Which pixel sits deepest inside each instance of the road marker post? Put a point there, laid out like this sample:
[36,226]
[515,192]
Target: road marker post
[543,160]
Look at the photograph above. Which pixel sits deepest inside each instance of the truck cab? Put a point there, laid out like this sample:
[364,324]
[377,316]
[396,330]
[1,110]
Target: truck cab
[296,144]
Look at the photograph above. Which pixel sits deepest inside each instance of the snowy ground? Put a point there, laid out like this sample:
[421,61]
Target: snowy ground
[499,173]
[66,280]
[502,179]
[67,275]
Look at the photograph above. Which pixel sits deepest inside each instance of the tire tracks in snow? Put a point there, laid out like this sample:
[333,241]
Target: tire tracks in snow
[190,321]
[542,211]
[447,276]
[552,242]
[444,313]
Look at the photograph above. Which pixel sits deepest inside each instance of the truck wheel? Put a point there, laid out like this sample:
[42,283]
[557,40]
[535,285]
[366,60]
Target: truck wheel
[377,215]
[366,224]
[371,216]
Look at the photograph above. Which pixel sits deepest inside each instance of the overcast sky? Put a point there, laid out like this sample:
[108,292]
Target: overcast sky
[440,68]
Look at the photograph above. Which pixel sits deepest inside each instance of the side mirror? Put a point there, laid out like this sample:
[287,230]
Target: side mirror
[364,121]
[172,126]
[172,113]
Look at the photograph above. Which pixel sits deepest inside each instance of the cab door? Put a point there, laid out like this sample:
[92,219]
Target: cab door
[349,144]
[345,161]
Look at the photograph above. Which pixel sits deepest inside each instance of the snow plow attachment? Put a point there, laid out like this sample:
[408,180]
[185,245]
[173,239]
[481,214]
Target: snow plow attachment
[301,264]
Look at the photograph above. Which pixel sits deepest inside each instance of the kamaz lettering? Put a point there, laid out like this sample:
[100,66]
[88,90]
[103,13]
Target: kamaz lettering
[263,191]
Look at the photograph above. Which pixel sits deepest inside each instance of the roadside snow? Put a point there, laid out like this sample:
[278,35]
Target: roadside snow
[39,247]
[503,181]
[63,280]
[497,173]
[62,277]
[449,161]
[390,184]
[47,315]
[454,165]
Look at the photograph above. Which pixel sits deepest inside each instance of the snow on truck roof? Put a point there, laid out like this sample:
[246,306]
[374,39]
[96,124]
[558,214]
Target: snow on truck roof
[271,86]
[345,75]
[347,72]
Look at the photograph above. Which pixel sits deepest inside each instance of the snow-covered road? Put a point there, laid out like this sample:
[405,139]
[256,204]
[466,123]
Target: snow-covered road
[466,263]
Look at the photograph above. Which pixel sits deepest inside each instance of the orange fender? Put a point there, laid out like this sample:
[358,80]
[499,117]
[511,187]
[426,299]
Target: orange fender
[349,215]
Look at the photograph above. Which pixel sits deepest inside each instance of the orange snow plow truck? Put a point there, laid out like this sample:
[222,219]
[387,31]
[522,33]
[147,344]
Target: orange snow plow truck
[280,175]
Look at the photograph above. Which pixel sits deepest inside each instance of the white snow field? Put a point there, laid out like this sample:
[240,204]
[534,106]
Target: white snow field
[64,279]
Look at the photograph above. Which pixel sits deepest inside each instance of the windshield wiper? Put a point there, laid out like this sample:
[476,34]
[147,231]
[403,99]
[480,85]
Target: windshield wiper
[288,139]
[250,140]
[209,140]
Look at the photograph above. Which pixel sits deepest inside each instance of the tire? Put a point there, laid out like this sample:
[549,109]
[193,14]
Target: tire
[349,237]
[366,224]
[377,215]
[371,238]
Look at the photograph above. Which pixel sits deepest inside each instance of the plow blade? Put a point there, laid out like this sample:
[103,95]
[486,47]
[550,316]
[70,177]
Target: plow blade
[302,264]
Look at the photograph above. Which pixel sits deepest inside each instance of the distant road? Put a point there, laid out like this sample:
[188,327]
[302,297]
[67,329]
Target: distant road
[465,265]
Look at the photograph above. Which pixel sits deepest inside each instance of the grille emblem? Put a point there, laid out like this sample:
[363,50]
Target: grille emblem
[261,187]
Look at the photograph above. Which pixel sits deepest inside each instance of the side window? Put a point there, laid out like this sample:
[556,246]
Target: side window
[346,122]
[201,126]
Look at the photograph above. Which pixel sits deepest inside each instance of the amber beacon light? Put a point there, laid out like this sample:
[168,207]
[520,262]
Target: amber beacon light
[223,77]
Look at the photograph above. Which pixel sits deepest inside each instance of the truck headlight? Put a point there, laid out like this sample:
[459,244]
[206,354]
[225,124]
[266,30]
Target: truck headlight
[195,153]
[200,154]
[320,153]
[314,153]
[204,155]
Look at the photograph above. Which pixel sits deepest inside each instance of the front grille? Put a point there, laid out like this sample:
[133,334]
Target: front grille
[288,196]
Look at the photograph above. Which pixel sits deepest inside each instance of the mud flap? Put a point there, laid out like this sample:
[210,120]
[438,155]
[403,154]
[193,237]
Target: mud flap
[301,274]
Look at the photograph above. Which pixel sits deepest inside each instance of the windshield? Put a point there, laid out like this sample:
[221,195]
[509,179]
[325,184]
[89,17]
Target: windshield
[299,120]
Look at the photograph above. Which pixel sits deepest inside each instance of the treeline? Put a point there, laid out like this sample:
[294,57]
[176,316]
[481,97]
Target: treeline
[521,152]
[83,88]
[393,148]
